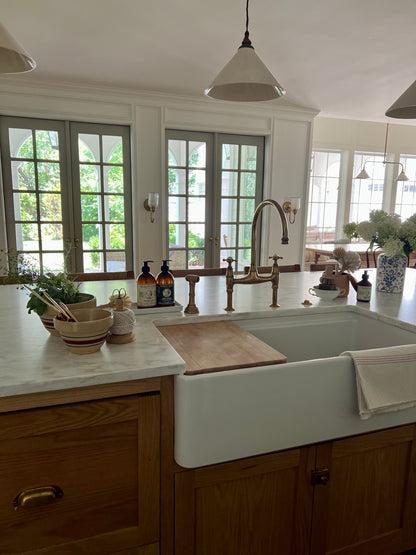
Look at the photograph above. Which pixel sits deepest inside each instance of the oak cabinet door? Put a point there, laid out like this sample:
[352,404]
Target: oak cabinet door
[368,505]
[104,458]
[260,505]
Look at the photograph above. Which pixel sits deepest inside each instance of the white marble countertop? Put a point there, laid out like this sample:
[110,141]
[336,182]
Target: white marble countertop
[33,361]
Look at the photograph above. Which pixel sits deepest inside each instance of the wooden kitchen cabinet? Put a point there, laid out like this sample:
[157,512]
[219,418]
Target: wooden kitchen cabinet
[368,505]
[260,505]
[104,456]
[363,501]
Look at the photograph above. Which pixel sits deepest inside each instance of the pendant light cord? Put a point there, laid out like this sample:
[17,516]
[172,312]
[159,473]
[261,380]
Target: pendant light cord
[246,41]
[385,143]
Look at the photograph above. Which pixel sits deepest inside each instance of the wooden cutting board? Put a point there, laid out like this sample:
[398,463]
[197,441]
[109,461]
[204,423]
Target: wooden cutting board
[218,346]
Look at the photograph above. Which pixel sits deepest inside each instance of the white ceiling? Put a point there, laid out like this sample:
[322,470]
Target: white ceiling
[346,58]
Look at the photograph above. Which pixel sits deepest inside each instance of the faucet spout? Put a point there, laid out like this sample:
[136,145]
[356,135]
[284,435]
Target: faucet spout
[285,237]
[253,276]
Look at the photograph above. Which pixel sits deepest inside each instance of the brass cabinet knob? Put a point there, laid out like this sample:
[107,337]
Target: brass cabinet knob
[37,497]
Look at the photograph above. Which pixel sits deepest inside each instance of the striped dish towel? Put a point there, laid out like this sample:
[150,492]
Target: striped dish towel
[386,379]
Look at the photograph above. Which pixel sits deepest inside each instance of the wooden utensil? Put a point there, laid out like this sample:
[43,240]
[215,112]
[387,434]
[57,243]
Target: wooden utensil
[40,297]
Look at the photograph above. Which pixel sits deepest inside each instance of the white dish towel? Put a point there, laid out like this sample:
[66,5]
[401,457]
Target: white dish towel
[386,379]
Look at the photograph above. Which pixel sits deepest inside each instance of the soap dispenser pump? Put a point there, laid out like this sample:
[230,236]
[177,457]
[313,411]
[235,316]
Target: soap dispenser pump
[146,287]
[165,286]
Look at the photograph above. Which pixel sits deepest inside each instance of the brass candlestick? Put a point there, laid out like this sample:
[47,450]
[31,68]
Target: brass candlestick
[192,308]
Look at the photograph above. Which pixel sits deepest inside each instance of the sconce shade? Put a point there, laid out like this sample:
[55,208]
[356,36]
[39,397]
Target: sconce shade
[363,175]
[13,57]
[245,78]
[405,105]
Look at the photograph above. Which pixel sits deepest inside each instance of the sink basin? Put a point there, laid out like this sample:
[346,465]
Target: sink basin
[307,336]
[245,412]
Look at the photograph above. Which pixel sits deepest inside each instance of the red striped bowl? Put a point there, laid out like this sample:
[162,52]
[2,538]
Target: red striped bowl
[87,301]
[89,333]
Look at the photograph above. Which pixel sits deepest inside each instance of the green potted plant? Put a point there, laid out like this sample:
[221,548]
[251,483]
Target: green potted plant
[61,289]
[19,268]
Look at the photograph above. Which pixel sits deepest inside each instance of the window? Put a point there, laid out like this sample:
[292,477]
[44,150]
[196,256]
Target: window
[68,201]
[323,196]
[406,190]
[367,194]
[214,185]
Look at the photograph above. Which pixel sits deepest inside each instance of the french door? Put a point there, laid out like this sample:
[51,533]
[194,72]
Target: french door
[67,194]
[215,182]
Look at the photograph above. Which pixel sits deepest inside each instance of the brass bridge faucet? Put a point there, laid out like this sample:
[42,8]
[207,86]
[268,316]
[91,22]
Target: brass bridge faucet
[253,275]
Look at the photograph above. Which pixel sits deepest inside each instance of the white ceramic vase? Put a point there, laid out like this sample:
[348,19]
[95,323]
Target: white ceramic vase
[391,272]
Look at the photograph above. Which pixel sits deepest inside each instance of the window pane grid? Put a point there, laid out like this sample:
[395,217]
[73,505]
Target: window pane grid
[405,204]
[238,208]
[37,205]
[39,210]
[367,194]
[323,196]
[187,203]
[103,215]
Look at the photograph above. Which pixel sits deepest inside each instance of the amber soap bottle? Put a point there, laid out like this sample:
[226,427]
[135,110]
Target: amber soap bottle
[146,287]
[165,286]
[364,289]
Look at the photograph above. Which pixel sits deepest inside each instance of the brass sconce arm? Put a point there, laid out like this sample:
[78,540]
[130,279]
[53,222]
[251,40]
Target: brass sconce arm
[291,208]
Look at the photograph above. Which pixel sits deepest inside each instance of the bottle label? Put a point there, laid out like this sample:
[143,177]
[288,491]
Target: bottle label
[363,293]
[164,294]
[146,295]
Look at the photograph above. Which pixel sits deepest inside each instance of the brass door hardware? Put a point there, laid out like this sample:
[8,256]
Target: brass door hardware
[37,497]
[320,477]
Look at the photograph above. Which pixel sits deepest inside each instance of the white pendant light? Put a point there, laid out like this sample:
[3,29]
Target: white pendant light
[245,78]
[13,57]
[363,174]
[401,177]
[405,105]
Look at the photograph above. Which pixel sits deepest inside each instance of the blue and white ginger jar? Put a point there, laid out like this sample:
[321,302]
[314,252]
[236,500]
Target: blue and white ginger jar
[391,272]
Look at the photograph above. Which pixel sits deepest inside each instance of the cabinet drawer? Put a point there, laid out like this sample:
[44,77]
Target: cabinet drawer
[104,458]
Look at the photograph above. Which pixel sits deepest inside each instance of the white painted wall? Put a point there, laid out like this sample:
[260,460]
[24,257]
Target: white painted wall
[343,134]
[288,145]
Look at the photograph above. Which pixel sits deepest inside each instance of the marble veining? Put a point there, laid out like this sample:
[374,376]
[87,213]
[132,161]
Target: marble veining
[32,361]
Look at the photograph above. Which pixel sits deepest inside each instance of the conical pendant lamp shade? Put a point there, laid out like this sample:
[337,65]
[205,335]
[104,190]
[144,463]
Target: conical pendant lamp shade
[405,105]
[402,176]
[13,57]
[363,174]
[245,78]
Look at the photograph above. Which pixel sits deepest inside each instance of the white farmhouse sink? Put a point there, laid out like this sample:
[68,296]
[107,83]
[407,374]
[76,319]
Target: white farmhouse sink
[240,413]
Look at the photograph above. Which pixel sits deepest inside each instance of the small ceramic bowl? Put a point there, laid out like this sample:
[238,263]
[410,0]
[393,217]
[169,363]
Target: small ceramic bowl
[89,333]
[325,294]
[88,301]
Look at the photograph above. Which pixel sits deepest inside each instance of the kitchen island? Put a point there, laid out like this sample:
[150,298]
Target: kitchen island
[33,361]
[99,429]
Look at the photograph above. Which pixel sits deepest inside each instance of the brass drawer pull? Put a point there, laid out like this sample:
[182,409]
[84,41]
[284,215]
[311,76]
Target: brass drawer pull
[36,497]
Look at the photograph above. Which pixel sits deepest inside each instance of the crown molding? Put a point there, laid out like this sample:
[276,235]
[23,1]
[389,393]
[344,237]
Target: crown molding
[28,85]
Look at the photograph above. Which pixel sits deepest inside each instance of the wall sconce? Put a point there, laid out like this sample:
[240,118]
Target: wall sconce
[291,207]
[151,204]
